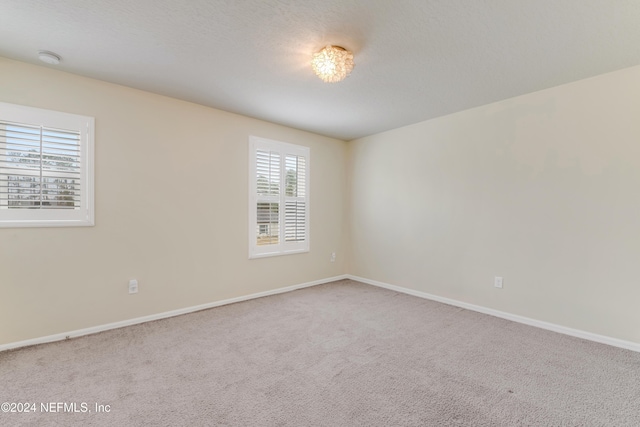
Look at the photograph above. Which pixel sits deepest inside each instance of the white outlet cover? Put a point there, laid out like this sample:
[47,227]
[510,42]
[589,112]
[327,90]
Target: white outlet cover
[497,282]
[133,286]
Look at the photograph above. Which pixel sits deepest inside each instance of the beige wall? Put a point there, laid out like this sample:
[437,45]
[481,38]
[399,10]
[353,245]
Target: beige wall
[543,189]
[171,211]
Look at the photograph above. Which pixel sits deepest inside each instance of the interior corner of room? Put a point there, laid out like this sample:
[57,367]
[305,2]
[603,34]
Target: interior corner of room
[538,189]
[524,207]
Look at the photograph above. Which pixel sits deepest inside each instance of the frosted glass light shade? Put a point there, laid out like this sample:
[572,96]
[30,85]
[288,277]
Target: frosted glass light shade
[332,64]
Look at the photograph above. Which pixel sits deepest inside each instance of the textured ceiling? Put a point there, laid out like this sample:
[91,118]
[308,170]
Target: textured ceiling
[415,59]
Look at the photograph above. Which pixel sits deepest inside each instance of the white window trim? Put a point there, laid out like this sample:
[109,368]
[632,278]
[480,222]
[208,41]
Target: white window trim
[282,248]
[85,216]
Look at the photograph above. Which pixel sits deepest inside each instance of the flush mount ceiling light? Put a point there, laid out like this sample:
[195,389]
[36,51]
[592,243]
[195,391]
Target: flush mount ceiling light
[332,64]
[49,57]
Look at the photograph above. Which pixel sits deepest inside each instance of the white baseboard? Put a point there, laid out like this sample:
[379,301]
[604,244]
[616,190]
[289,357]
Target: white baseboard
[137,320]
[629,345]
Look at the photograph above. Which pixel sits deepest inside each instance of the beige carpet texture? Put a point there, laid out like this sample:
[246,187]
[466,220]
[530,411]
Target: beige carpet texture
[339,354]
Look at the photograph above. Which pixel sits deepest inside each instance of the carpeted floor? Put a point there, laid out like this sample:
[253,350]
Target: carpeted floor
[340,354]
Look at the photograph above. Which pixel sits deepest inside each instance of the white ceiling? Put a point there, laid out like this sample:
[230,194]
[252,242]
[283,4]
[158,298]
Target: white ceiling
[415,59]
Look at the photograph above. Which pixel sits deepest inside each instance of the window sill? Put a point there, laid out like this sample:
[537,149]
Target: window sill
[274,254]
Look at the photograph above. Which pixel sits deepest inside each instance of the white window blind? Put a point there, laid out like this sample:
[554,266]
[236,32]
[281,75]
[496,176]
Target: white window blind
[279,198]
[45,162]
[295,211]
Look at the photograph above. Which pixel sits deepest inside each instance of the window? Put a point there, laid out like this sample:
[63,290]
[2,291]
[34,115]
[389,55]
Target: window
[46,168]
[278,198]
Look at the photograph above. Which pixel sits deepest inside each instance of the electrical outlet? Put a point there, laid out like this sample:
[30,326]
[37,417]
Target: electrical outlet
[497,282]
[133,286]
[333,257]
